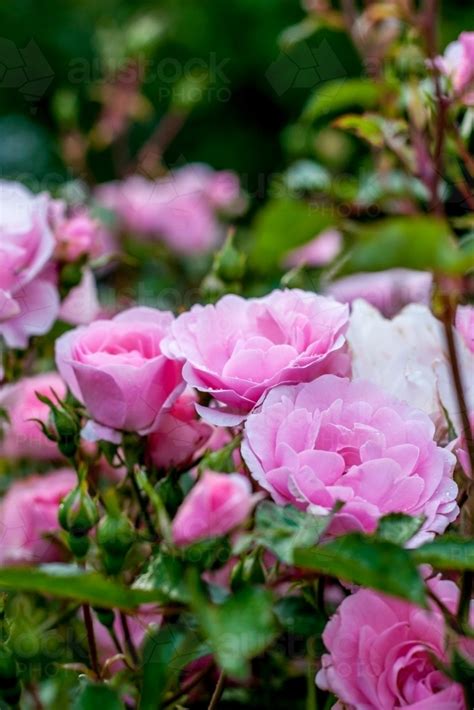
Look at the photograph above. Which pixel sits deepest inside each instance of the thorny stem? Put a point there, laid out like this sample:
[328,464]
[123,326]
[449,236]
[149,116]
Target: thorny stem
[218,690]
[130,646]
[143,506]
[91,639]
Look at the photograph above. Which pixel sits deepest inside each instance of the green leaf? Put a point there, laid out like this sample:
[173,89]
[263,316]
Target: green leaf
[166,575]
[166,652]
[94,695]
[421,242]
[449,552]
[374,129]
[237,630]
[71,582]
[367,561]
[398,528]
[283,529]
[283,225]
[341,96]
[298,616]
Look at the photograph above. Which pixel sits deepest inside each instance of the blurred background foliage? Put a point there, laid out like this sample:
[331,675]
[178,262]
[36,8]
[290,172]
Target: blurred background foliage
[230,66]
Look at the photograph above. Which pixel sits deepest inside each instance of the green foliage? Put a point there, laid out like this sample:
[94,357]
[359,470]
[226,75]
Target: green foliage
[238,629]
[422,242]
[283,530]
[449,552]
[341,96]
[398,528]
[373,563]
[71,582]
[97,695]
[283,225]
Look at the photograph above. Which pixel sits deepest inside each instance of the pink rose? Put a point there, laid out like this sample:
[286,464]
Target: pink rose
[380,653]
[218,503]
[318,252]
[180,208]
[22,437]
[457,63]
[389,291]
[75,236]
[28,513]
[465,325]
[238,349]
[180,434]
[334,440]
[29,300]
[117,370]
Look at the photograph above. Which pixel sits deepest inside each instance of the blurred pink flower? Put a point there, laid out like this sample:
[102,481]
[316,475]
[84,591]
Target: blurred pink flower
[217,504]
[380,653]
[117,370]
[28,513]
[334,440]
[318,252]
[389,291]
[22,437]
[457,63]
[29,300]
[238,349]
[180,208]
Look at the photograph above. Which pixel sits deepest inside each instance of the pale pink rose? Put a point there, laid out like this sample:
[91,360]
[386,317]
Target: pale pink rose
[81,305]
[29,300]
[22,437]
[217,504]
[180,208]
[238,349]
[139,623]
[333,440]
[318,252]
[389,291]
[381,649]
[457,63]
[117,370]
[408,357]
[28,514]
[180,434]
[465,325]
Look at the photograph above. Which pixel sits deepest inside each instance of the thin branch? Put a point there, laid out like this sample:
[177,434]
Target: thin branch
[91,639]
[218,690]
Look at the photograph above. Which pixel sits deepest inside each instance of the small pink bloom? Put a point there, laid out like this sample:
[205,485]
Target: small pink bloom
[238,349]
[318,252]
[465,325]
[29,300]
[75,236]
[22,437]
[334,440]
[28,513]
[457,63]
[117,369]
[389,291]
[380,652]
[218,503]
[180,434]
